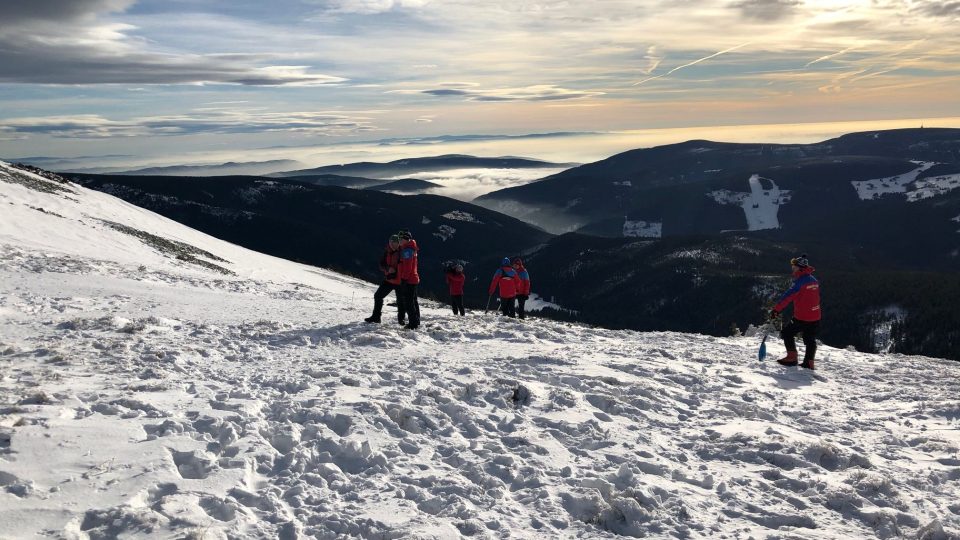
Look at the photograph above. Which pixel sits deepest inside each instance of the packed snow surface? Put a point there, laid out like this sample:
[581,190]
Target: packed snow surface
[166,384]
[760,206]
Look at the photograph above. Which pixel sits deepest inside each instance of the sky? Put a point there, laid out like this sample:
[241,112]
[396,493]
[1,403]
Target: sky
[178,81]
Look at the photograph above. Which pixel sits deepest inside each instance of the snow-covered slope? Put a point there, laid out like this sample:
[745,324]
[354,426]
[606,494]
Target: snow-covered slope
[226,394]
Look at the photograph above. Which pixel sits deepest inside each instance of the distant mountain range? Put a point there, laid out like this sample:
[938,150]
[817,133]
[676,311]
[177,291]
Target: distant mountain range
[253,168]
[693,236]
[404,167]
[864,192]
[334,227]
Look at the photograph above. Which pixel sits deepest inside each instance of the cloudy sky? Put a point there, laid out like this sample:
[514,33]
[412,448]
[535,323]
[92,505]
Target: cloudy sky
[161,77]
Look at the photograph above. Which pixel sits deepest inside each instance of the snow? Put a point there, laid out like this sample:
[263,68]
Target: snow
[707,255]
[760,206]
[642,229]
[460,215]
[146,396]
[445,232]
[536,303]
[933,186]
[883,331]
[908,184]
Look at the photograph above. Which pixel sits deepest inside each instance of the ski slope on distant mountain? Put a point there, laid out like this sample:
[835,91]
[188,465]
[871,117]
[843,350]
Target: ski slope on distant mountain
[760,206]
[160,383]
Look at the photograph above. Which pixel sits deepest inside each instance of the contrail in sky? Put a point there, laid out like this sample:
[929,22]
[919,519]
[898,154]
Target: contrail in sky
[692,63]
[829,56]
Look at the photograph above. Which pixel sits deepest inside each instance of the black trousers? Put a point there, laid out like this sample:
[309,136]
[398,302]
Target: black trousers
[521,302]
[456,302]
[809,329]
[382,292]
[508,306]
[408,304]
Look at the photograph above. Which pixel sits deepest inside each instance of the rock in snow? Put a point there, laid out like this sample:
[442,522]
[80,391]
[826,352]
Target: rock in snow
[148,394]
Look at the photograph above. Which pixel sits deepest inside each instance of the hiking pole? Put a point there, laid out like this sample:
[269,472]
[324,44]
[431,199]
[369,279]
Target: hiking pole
[489,298]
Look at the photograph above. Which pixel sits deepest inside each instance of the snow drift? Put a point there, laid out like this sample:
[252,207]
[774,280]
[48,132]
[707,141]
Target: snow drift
[157,382]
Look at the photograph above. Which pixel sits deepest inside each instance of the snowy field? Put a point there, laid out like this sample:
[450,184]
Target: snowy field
[153,391]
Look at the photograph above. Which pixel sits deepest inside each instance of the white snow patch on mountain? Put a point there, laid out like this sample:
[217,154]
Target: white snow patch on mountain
[642,229]
[760,206]
[877,187]
[445,232]
[708,255]
[142,395]
[460,215]
[933,186]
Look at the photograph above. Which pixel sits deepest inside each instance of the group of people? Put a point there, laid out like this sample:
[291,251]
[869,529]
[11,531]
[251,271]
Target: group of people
[399,266]
[514,282]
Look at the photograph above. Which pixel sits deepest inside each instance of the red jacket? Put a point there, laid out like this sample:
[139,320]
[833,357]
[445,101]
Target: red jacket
[388,265]
[524,287]
[407,269]
[805,295]
[508,280]
[455,282]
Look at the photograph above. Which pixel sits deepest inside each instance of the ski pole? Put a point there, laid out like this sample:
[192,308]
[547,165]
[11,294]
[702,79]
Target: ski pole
[489,298]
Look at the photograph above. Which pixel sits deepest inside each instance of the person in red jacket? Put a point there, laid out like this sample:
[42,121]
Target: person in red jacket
[523,288]
[455,281]
[805,296]
[507,279]
[409,279]
[391,280]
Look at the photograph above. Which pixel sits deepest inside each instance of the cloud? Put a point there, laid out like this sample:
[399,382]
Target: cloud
[939,9]
[14,12]
[697,61]
[652,60]
[67,42]
[201,121]
[766,10]
[446,92]
[365,7]
[470,92]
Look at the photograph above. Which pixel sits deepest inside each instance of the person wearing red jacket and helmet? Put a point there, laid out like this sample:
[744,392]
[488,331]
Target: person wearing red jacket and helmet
[507,279]
[391,280]
[455,281]
[409,279]
[523,287]
[805,296]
